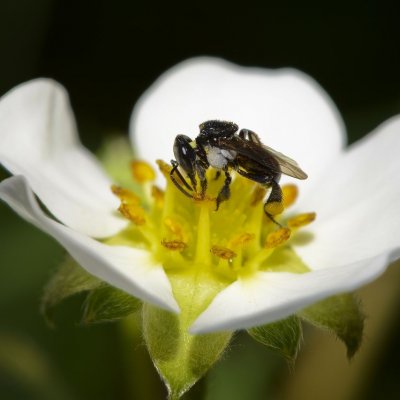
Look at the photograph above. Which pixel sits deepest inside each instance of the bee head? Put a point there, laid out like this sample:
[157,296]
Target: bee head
[184,153]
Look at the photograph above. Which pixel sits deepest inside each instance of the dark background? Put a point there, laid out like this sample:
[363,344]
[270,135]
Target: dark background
[106,54]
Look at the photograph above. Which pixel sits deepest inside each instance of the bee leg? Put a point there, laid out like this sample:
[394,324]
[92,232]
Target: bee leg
[217,175]
[247,134]
[180,185]
[225,192]
[274,204]
[201,173]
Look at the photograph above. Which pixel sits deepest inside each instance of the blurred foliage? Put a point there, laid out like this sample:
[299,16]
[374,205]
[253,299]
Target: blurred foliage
[106,54]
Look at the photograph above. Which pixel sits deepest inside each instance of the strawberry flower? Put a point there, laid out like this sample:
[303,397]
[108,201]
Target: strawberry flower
[218,270]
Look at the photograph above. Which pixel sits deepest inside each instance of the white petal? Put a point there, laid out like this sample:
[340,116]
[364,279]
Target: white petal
[129,269]
[39,140]
[357,203]
[288,109]
[268,296]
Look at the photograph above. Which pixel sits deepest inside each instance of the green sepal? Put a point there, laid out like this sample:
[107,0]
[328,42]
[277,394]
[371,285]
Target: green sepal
[283,336]
[107,303]
[69,279]
[340,315]
[180,358]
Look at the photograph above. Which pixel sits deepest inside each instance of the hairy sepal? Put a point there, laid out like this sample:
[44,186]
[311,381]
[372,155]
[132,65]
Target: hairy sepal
[340,315]
[106,304]
[283,336]
[70,279]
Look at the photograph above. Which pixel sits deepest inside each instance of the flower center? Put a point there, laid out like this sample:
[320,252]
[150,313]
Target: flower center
[188,233]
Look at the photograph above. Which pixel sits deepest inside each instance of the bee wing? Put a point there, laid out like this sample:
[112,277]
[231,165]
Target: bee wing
[288,166]
[263,154]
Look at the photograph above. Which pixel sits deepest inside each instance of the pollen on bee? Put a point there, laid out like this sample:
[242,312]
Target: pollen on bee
[142,171]
[223,252]
[277,238]
[290,193]
[274,208]
[174,245]
[301,220]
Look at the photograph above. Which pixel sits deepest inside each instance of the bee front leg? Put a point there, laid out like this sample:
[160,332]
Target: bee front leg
[225,192]
[182,184]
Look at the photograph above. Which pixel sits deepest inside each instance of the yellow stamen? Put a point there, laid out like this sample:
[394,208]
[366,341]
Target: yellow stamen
[301,220]
[133,212]
[223,252]
[242,239]
[125,195]
[158,195]
[238,243]
[175,245]
[164,168]
[290,193]
[277,238]
[175,228]
[258,195]
[188,232]
[142,171]
[206,199]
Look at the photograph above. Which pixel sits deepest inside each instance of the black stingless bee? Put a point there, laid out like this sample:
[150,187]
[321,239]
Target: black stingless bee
[220,146]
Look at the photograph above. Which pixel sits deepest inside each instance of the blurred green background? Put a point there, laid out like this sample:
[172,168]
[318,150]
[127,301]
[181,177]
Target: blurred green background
[107,54]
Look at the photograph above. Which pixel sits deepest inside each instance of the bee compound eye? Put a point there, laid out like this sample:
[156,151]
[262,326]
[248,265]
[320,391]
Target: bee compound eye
[184,153]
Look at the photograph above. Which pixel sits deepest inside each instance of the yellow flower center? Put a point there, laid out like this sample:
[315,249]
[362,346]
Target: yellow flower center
[189,234]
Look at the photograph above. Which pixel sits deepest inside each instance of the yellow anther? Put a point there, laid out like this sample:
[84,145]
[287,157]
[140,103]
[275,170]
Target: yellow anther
[277,238]
[164,168]
[142,171]
[274,208]
[207,200]
[175,228]
[125,195]
[290,193]
[223,252]
[258,194]
[301,220]
[242,239]
[175,245]
[158,196]
[133,212]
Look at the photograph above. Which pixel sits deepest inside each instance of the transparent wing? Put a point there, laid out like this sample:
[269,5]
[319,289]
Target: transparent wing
[287,165]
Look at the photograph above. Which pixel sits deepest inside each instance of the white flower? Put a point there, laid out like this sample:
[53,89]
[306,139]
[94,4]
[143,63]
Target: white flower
[354,191]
